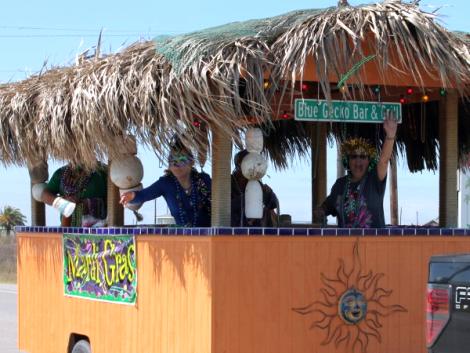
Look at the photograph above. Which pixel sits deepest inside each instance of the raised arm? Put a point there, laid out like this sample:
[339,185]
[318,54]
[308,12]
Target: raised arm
[390,129]
[149,193]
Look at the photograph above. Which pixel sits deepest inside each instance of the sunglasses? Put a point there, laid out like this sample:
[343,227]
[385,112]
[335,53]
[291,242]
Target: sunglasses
[358,156]
[180,161]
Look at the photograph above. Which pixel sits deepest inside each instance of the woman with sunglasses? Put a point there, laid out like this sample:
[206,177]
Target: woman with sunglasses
[357,198]
[186,191]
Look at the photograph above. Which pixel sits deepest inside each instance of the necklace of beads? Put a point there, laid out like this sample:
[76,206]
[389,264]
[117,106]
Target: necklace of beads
[73,182]
[351,196]
[184,221]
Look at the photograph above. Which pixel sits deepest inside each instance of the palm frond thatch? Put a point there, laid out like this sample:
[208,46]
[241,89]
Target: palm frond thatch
[156,89]
[336,39]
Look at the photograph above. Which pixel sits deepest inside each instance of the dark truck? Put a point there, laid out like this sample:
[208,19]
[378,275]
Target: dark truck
[448,304]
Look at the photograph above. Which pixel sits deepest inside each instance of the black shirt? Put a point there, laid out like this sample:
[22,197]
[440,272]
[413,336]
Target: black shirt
[357,205]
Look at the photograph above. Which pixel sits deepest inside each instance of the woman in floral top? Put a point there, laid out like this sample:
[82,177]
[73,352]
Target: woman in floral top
[357,199]
[186,191]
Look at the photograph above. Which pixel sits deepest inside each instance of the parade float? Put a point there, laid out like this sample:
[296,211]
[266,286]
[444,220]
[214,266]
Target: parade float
[300,78]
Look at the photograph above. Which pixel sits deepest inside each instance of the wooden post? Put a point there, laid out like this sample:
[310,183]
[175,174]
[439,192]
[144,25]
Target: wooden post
[393,192]
[340,171]
[38,173]
[38,212]
[115,209]
[448,159]
[318,148]
[221,180]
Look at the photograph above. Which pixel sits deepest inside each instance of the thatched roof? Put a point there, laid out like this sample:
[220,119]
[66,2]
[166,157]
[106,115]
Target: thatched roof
[157,89]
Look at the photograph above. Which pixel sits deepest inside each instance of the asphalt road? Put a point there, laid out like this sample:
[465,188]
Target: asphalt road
[8,319]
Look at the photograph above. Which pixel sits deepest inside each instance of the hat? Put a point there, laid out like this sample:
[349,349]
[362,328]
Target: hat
[353,145]
[237,160]
[179,154]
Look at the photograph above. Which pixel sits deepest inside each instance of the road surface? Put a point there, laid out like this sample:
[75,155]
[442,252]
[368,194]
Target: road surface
[8,319]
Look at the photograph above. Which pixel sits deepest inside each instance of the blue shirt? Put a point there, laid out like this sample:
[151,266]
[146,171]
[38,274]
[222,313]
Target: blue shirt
[191,210]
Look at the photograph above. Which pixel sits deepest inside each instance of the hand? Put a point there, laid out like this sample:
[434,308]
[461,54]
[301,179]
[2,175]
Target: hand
[127,197]
[390,124]
[71,198]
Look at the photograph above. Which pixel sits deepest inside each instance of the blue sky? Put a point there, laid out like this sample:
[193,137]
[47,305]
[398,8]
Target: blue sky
[54,32]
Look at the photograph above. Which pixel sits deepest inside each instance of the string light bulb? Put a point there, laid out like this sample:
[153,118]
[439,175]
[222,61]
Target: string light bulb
[343,88]
[304,87]
[402,100]
[266,84]
[425,98]
[442,92]
[285,115]
[376,89]
[409,90]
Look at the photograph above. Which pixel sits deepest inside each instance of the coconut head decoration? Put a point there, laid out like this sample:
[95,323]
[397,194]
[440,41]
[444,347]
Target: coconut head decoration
[126,171]
[254,140]
[37,191]
[254,167]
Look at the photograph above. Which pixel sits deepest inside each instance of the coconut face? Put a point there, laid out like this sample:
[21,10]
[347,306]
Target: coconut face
[254,140]
[254,166]
[126,172]
[37,191]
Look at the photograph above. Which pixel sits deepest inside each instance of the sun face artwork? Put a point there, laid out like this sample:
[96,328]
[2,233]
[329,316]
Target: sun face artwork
[352,308]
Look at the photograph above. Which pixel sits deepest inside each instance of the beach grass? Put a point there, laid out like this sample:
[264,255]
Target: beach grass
[7,258]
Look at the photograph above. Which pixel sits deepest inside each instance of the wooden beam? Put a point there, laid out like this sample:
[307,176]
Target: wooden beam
[340,170]
[393,192]
[38,173]
[115,209]
[372,73]
[448,159]
[318,148]
[221,179]
[38,212]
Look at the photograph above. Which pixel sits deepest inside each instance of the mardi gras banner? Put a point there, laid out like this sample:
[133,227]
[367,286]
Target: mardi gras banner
[100,267]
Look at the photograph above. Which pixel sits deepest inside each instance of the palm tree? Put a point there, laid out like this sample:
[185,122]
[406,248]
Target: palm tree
[10,217]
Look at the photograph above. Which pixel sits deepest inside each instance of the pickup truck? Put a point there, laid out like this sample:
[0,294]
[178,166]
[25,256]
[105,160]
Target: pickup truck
[448,304]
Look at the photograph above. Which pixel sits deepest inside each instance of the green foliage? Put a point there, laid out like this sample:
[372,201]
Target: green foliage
[354,69]
[11,217]
[7,259]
